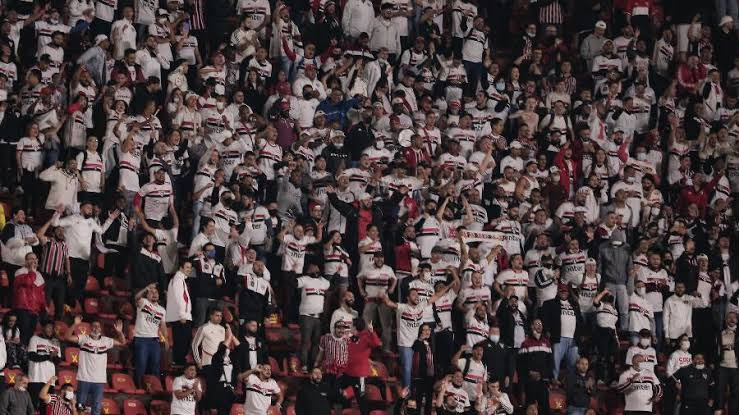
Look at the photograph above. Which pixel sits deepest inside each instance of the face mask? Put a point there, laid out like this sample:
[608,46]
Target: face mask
[220,105]
[641,156]
[645,342]
[338,145]
[379,145]
[495,338]
[684,346]
[210,254]
[22,388]
[641,291]
[307,95]
[176,100]
[700,367]
[69,395]
[273,212]
[630,180]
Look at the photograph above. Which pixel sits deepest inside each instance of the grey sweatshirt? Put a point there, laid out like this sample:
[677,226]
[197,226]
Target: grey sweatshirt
[15,402]
[614,263]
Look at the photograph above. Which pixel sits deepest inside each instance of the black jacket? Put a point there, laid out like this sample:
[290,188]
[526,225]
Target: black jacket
[314,399]
[551,316]
[507,323]
[359,138]
[240,356]
[577,392]
[499,360]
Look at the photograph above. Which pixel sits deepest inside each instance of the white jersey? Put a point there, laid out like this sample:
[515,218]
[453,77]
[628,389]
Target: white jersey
[650,356]
[654,280]
[442,309]
[377,281]
[573,266]
[186,405]
[460,397]
[428,235]
[425,290]
[639,391]
[40,372]
[410,319]
[475,330]
[293,257]
[91,167]
[156,199]
[476,372]
[312,295]
[93,358]
[519,280]
[640,314]
[259,395]
[469,297]
[366,258]
[149,317]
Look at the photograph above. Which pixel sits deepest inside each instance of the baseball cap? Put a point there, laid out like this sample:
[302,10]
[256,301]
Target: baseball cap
[100,39]
[516,144]
[600,24]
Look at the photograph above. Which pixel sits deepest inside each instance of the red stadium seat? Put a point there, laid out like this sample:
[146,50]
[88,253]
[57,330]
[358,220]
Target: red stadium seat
[152,385]
[133,407]
[122,382]
[82,328]
[274,410]
[237,409]
[158,407]
[11,375]
[92,306]
[60,329]
[67,376]
[557,400]
[290,410]
[110,407]
[276,369]
[92,286]
[71,357]
[168,382]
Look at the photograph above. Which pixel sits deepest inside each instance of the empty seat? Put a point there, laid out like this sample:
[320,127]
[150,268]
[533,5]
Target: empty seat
[158,407]
[110,407]
[152,385]
[11,375]
[122,382]
[92,285]
[71,356]
[92,306]
[133,407]
[67,376]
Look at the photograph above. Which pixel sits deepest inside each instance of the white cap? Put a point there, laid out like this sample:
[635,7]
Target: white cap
[100,39]
[365,196]
[600,24]
[581,209]
[516,144]
[726,20]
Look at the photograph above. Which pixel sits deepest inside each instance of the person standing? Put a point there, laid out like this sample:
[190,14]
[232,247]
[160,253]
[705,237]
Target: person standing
[640,387]
[333,353]
[29,298]
[92,374]
[728,374]
[580,387]
[78,230]
[63,403]
[313,289]
[178,313]
[251,350]
[359,347]
[694,384]
[55,265]
[208,337]
[315,395]
[563,324]
[260,389]
[376,283]
[615,268]
[186,392]
[149,329]
[17,240]
[44,352]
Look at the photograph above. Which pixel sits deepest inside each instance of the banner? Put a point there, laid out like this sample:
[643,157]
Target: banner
[495,238]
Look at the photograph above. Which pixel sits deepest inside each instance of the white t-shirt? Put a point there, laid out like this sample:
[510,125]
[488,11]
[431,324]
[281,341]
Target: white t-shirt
[650,357]
[517,279]
[148,319]
[156,199]
[569,321]
[476,373]
[639,392]
[443,307]
[460,396]
[184,406]
[294,257]
[42,371]
[93,358]
[259,395]
[410,319]
[312,294]
[377,281]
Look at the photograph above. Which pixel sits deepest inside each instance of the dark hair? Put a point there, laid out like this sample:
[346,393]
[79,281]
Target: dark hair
[359,324]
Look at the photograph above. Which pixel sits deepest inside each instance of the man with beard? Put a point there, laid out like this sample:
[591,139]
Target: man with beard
[94,347]
[312,288]
[563,324]
[260,388]
[78,230]
[252,349]
[44,353]
[155,200]
[345,314]
[315,395]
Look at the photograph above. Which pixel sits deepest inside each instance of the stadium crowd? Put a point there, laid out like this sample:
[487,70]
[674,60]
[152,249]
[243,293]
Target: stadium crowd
[369,206]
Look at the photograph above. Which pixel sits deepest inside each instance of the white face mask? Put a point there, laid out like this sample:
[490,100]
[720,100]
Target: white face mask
[69,395]
[684,346]
[339,145]
[379,145]
[495,338]
[700,367]
[641,156]
[641,291]
[220,105]
[630,180]
[645,342]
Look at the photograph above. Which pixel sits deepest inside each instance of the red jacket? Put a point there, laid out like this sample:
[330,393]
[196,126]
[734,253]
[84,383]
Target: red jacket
[700,197]
[564,170]
[26,294]
[630,4]
[359,348]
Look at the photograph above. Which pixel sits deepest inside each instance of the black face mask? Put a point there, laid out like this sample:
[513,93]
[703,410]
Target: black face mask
[307,95]
[273,212]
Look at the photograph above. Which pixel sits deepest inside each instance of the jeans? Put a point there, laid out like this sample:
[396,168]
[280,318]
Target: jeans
[90,394]
[147,353]
[286,65]
[406,363]
[622,303]
[565,348]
